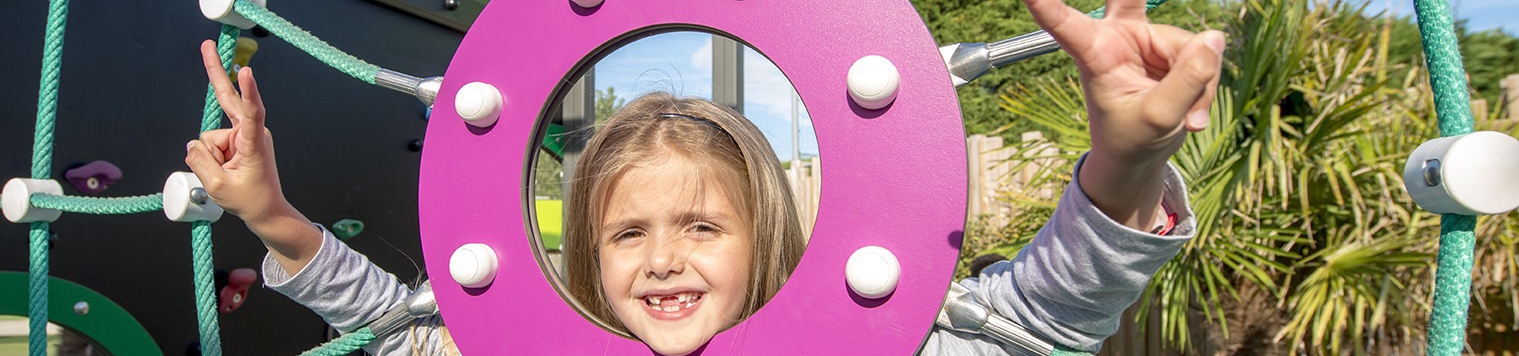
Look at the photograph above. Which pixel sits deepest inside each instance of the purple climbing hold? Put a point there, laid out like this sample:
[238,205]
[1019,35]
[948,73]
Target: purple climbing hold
[94,177]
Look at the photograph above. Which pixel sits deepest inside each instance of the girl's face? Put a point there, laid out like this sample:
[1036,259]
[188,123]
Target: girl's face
[675,252]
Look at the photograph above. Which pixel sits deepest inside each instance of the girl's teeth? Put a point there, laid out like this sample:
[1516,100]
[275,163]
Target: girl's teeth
[671,309]
[683,297]
[652,300]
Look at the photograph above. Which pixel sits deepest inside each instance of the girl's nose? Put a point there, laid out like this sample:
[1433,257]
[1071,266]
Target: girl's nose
[666,257]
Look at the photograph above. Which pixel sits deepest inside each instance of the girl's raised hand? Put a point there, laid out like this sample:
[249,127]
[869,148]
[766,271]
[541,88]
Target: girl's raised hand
[236,165]
[1146,86]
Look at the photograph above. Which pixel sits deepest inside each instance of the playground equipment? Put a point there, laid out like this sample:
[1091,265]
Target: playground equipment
[898,108]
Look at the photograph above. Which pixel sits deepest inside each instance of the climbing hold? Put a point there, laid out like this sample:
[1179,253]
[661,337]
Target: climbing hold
[478,103]
[873,82]
[1469,174]
[347,228]
[94,177]
[81,308]
[241,56]
[587,3]
[180,200]
[235,293]
[414,145]
[16,200]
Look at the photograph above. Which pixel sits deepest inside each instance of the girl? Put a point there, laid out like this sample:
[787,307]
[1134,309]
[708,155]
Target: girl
[682,241]
[680,222]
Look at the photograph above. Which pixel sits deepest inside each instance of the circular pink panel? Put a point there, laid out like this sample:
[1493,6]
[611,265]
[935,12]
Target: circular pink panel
[896,176]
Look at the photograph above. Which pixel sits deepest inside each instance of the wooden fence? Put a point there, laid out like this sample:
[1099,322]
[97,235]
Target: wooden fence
[805,177]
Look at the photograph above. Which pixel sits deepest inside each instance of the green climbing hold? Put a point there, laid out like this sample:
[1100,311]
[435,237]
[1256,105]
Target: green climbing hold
[347,228]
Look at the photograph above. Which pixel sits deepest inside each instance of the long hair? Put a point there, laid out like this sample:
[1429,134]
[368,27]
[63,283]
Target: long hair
[716,138]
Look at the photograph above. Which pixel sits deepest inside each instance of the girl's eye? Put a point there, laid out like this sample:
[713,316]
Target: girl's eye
[627,235]
[704,228]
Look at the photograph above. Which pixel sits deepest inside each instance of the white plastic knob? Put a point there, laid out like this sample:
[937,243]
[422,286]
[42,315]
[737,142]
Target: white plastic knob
[479,104]
[587,3]
[473,265]
[873,82]
[222,11]
[1471,174]
[179,203]
[16,200]
[872,272]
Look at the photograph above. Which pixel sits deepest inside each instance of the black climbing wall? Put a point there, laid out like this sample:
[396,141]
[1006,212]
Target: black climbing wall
[132,91]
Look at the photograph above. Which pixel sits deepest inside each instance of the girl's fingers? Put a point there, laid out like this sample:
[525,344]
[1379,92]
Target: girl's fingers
[1198,116]
[1166,44]
[225,95]
[203,163]
[1196,66]
[252,120]
[1073,29]
[220,143]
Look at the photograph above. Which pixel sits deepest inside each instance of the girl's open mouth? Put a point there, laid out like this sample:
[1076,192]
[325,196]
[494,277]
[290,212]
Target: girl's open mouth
[673,306]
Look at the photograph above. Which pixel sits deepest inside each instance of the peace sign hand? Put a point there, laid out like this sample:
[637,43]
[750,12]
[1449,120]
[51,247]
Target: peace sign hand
[1145,83]
[1146,86]
[236,165]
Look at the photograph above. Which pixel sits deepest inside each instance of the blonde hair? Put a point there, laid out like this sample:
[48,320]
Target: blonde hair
[716,138]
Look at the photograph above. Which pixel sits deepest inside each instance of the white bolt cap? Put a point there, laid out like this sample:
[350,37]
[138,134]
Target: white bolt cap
[587,3]
[16,200]
[473,265]
[179,207]
[873,82]
[479,104]
[222,11]
[872,272]
[1470,174]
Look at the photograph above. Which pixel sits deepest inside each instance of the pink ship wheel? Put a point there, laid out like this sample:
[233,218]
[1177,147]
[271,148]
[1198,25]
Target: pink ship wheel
[896,175]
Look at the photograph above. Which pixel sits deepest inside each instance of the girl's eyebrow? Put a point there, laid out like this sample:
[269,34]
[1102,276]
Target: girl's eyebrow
[618,225]
[708,216]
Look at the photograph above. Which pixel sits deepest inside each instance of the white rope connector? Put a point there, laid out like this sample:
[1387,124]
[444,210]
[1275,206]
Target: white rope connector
[873,82]
[1471,174]
[872,272]
[16,200]
[222,11]
[479,104]
[185,200]
[473,265]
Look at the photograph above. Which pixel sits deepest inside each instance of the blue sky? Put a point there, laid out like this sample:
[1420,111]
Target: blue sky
[1482,14]
[681,63]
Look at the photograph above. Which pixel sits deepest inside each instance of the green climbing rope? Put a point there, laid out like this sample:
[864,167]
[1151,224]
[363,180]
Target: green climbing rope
[324,52]
[205,301]
[343,345]
[1447,76]
[42,167]
[99,206]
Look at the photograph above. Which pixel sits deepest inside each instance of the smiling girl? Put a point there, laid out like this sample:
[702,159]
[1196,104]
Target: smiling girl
[680,222]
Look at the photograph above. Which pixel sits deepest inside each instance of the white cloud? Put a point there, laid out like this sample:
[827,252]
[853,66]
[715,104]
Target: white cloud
[701,58]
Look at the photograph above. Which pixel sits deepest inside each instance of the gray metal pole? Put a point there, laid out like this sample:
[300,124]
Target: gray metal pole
[728,72]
